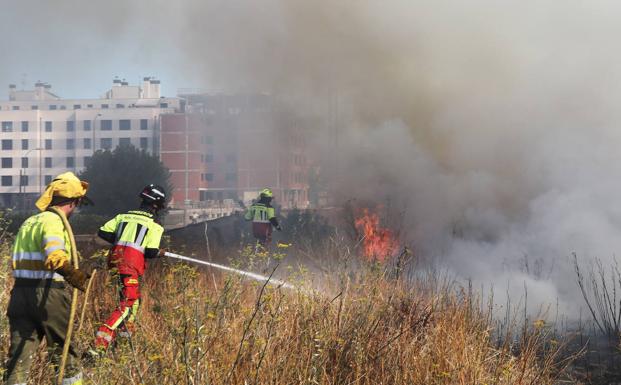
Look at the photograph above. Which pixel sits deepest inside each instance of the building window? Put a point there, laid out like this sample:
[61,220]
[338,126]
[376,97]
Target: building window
[209,158]
[77,106]
[34,107]
[48,126]
[7,126]
[106,125]
[106,143]
[48,162]
[87,160]
[209,177]
[87,143]
[15,108]
[120,106]
[70,144]
[125,124]
[7,144]
[7,180]
[230,176]
[7,162]
[24,144]
[89,106]
[208,139]
[48,144]
[70,125]
[124,142]
[70,161]
[23,180]
[52,106]
[63,107]
[24,126]
[144,124]
[144,143]
[48,179]
[104,106]
[24,162]
[231,158]
[163,105]
[87,125]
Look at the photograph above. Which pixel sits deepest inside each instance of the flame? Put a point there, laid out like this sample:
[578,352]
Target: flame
[378,242]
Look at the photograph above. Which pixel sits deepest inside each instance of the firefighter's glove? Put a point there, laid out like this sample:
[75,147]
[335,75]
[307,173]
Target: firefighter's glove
[162,253]
[76,277]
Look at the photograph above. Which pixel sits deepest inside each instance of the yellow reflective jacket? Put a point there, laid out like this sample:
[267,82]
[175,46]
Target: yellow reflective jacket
[41,246]
[134,235]
[260,213]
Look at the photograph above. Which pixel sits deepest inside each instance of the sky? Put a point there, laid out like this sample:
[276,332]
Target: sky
[79,47]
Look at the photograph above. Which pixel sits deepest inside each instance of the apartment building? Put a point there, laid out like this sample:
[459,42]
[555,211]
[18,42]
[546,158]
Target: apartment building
[231,146]
[42,134]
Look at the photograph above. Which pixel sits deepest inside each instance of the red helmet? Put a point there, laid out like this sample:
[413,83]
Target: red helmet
[154,195]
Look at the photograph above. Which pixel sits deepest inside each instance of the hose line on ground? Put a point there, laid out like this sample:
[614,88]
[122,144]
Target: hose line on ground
[74,295]
[88,290]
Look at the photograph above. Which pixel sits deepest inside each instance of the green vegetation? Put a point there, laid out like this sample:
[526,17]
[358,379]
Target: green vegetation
[117,177]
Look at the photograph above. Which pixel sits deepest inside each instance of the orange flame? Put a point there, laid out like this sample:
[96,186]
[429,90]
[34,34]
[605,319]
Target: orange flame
[379,242]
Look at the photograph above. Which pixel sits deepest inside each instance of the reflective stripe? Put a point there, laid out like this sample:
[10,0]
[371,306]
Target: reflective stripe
[121,318]
[51,238]
[133,245]
[104,335]
[37,274]
[141,234]
[119,230]
[51,249]
[29,255]
[77,379]
[29,264]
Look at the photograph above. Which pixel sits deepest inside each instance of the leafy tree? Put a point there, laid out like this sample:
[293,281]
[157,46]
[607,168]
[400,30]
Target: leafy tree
[117,177]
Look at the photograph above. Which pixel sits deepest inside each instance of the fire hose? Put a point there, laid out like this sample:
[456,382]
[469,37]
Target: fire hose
[248,274]
[74,296]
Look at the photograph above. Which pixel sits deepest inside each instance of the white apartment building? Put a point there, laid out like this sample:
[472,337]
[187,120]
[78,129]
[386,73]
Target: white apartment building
[43,135]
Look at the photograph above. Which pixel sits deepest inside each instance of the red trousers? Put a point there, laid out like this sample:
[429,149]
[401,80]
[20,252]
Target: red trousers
[122,318]
[262,232]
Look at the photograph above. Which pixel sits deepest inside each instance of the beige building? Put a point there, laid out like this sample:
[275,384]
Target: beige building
[42,135]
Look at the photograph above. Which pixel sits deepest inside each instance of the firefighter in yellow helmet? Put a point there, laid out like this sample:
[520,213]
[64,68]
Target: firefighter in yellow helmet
[39,306]
[263,217]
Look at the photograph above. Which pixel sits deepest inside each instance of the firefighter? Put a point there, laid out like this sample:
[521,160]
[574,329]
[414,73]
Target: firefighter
[39,306]
[134,236]
[263,217]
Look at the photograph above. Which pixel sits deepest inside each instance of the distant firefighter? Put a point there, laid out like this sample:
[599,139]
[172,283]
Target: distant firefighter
[263,217]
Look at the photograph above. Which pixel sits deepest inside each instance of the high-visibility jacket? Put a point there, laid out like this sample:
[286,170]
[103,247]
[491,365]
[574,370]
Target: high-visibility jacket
[260,213]
[41,246]
[133,234]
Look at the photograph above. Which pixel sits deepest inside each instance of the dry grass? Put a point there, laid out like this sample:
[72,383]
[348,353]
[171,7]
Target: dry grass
[365,326]
[197,327]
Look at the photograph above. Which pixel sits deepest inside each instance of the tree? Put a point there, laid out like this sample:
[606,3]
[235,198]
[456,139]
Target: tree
[117,177]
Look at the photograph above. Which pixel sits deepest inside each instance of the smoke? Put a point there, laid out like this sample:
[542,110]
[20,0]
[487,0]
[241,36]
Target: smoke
[492,124]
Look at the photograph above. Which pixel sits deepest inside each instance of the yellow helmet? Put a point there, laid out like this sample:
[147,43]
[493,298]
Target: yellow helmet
[65,185]
[267,193]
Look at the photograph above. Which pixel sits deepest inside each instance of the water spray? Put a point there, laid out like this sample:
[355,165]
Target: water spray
[248,274]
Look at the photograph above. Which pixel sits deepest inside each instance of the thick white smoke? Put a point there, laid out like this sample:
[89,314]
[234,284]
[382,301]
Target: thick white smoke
[494,123]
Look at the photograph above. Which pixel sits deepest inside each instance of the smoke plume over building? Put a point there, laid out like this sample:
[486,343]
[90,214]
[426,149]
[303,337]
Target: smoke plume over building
[492,124]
